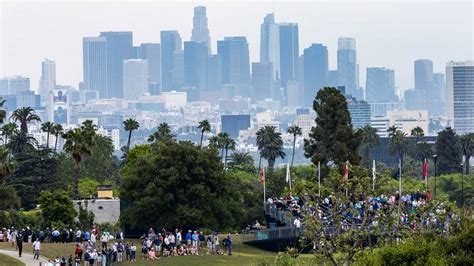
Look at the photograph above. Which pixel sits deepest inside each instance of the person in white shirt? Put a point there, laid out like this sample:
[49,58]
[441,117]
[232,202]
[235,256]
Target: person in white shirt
[104,239]
[297,223]
[94,240]
[36,249]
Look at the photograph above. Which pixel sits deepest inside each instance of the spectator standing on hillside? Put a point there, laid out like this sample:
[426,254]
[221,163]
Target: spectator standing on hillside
[229,245]
[19,243]
[36,248]
[103,239]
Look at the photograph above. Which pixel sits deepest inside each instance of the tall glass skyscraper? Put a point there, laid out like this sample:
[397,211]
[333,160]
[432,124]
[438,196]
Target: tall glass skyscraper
[262,81]
[48,79]
[234,52]
[200,31]
[316,71]
[152,53]
[265,27]
[195,64]
[424,75]
[119,48]
[289,52]
[170,45]
[135,78]
[94,51]
[347,66]
[460,95]
[380,85]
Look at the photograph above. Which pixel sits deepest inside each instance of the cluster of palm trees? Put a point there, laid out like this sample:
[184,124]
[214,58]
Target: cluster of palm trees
[52,129]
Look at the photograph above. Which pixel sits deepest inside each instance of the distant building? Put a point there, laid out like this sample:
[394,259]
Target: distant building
[347,74]
[232,124]
[265,27]
[119,48]
[115,136]
[380,85]
[262,81]
[304,121]
[200,32]
[295,93]
[460,96]
[214,72]
[94,52]
[16,84]
[175,99]
[47,80]
[234,52]
[360,113]
[415,99]
[27,99]
[105,207]
[406,120]
[424,75]
[152,53]
[439,94]
[135,78]
[315,72]
[171,45]
[289,53]
[195,64]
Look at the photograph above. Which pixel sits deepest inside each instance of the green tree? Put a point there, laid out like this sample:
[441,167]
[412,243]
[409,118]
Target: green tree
[163,132]
[88,188]
[240,159]
[333,139]
[205,126]
[193,189]
[79,143]
[56,206]
[9,130]
[6,165]
[85,217]
[47,127]
[369,139]
[467,146]
[57,131]
[21,143]
[398,143]
[227,143]
[8,195]
[100,164]
[270,145]
[130,125]
[295,131]
[8,198]
[25,115]
[448,151]
[3,113]
[417,132]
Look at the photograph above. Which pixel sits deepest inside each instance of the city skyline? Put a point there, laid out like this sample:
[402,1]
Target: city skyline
[64,44]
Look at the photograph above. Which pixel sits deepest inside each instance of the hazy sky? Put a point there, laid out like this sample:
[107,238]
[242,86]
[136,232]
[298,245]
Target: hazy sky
[389,33]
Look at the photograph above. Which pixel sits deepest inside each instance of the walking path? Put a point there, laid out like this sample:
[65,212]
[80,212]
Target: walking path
[25,257]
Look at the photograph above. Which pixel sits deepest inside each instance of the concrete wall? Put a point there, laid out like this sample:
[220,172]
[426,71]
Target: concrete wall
[105,210]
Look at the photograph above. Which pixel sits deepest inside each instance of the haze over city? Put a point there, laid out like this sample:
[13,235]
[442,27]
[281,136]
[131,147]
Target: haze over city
[391,34]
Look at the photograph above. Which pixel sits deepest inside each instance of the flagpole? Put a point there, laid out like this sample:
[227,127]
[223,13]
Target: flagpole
[319,179]
[400,177]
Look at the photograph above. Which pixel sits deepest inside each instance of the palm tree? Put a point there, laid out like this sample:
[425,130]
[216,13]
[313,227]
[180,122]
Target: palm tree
[130,125]
[467,145]
[392,130]
[25,115]
[229,144]
[163,132]
[8,130]
[423,150]
[205,126]
[417,132]
[398,144]
[57,131]
[270,144]
[295,131]
[6,166]
[21,143]
[3,113]
[222,140]
[78,142]
[48,128]
[369,138]
[241,158]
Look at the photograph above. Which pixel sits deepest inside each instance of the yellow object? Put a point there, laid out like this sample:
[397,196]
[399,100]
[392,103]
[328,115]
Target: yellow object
[105,191]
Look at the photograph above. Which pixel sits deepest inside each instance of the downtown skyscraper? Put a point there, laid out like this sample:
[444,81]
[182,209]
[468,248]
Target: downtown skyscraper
[347,73]
[47,80]
[171,53]
[380,85]
[460,96]
[200,32]
[316,71]
[119,48]
[94,51]
[234,52]
[152,53]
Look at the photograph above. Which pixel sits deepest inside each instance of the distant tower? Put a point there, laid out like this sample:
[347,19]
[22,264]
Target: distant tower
[347,66]
[316,72]
[460,96]
[423,74]
[268,22]
[200,31]
[48,79]
[95,64]
[135,78]
[171,49]
[380,85]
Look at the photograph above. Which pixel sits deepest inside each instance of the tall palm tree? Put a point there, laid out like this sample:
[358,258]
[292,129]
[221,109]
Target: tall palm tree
[241,158]
[423,150]
[48,128]
[78,142]
[467,145]
[270,144]
[3,113]
[398,144]
[392,130]
[21,143]
[205,126]
[417,132]
[369,139]
[57,131]
[130,125]
[25,115]
[295,131]
[8,130]
[229,144]
[222,141]
[163,132]
[6,166]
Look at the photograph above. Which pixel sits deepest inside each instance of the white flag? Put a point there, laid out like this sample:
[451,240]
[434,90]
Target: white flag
[373,169]
[288,173]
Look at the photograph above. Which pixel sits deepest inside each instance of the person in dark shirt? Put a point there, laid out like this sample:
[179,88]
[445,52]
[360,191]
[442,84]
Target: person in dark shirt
[19,242]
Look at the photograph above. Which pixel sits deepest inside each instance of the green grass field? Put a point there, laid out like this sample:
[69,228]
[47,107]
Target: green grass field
[242,255]
[9,261]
